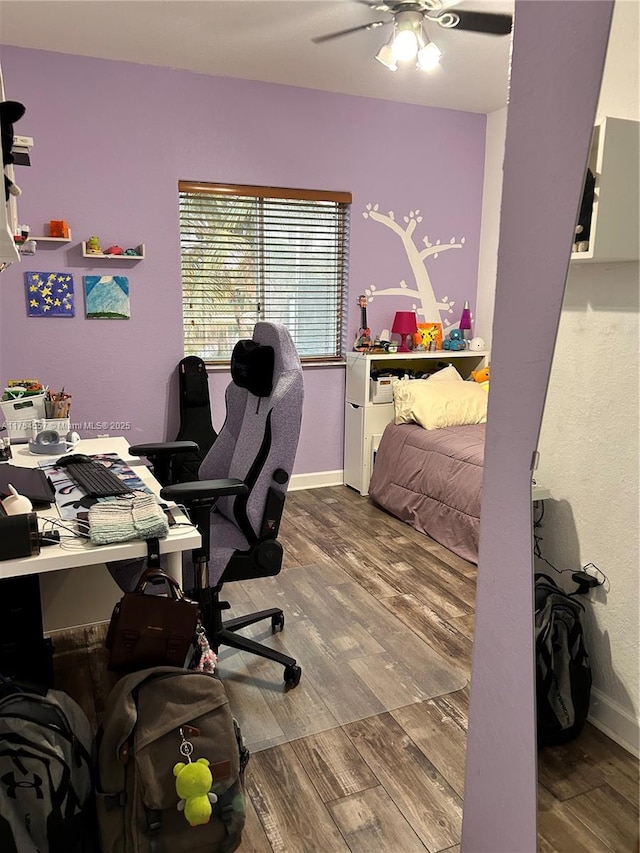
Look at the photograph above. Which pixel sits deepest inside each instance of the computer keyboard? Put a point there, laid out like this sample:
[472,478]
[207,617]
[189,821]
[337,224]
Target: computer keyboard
[96,481]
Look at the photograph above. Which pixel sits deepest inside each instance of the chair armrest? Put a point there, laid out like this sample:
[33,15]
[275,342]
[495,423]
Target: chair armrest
[163,448]
[199,490]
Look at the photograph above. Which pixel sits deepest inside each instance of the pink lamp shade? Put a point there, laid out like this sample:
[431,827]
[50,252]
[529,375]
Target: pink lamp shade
[405,325]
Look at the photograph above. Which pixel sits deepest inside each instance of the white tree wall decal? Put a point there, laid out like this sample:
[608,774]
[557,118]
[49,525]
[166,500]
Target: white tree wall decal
[426,305]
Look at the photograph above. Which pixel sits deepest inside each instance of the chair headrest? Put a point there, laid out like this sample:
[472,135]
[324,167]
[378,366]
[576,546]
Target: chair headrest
[252,367]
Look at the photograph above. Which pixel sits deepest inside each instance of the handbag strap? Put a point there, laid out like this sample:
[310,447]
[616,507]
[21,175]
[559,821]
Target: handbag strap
[155,576]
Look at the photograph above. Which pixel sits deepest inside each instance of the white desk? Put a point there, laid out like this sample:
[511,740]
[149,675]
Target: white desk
[82,553]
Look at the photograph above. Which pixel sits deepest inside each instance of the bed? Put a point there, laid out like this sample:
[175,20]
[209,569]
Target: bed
[431,478]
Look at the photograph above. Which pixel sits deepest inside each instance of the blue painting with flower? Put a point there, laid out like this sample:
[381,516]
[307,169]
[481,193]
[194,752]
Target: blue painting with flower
[50,294]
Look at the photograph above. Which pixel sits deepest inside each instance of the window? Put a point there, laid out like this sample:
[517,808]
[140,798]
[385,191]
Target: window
[263,253]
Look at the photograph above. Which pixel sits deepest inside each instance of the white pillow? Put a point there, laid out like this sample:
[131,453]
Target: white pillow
[435,405]
[446,374]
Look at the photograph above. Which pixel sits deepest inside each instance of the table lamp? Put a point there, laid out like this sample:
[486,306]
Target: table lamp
[405,325]
[465,322]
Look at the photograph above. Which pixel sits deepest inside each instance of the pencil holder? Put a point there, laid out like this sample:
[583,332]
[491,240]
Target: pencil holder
[57,409]
[61,425]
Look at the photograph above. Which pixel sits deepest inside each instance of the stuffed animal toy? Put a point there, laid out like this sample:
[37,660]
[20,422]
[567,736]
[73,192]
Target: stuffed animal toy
[193,784]
[10,113]
[481,375]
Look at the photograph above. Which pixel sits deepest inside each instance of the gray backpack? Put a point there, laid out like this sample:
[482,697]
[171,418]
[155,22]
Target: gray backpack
[154,720]
[563,671]
[46,788]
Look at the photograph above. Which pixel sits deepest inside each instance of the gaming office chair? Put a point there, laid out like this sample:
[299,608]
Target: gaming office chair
[245,476]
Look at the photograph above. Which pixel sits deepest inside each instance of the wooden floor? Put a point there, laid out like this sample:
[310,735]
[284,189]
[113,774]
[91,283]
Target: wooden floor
[393,783]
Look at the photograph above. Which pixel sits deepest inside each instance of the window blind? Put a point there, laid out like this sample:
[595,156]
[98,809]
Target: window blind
[263,253]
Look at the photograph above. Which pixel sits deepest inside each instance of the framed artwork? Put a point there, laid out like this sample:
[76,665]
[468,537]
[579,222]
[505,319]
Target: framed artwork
[106,297]
[49,294]
[428,332]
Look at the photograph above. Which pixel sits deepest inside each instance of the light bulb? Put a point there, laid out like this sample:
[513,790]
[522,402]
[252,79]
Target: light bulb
[429,57]
[405,46]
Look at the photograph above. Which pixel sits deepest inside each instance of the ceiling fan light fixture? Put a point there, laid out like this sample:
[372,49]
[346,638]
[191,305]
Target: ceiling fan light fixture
[386,56]
[405,46]
[406,37]
[429,57]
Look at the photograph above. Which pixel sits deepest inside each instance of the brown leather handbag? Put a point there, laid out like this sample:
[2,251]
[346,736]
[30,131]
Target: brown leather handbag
[151,630]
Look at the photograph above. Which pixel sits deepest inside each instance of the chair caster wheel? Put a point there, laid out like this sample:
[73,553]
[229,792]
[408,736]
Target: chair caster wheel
[277,623]
[292,675]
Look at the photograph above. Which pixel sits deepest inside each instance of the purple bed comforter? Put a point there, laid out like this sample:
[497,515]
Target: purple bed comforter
[432,480]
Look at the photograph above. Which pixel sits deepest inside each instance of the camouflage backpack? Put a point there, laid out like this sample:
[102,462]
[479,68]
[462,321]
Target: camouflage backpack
[154,719]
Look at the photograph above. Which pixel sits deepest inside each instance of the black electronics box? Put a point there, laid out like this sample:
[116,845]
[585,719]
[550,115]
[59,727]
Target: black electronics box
[25,653]
[19,536]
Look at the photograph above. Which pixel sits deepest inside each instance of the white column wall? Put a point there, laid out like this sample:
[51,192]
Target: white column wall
[589,437]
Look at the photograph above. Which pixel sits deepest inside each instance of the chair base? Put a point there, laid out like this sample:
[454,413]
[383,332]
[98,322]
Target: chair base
[221,633]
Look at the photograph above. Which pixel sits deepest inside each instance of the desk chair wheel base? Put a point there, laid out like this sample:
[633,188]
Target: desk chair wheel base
[221,633]
[292,675]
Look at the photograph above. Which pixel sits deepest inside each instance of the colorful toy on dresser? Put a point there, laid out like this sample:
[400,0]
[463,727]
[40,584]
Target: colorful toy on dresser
[454,340]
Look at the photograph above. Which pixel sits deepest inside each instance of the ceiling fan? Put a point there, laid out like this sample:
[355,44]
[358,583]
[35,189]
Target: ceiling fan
[409,40]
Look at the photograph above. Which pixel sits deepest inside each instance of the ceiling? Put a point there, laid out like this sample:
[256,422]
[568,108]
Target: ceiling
[270,40]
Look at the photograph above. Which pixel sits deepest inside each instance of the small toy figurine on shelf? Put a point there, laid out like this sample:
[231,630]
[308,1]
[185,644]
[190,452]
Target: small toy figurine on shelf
[454,341]
[114,250]
[93,246]
[58,228]
[131,252]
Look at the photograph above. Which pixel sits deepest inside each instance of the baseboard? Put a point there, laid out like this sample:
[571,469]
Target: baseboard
[317,480]
[615,722]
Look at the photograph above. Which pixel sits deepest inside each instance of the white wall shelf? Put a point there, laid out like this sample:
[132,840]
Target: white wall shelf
[614,159]
[364,420]
[51,239]
[101,256]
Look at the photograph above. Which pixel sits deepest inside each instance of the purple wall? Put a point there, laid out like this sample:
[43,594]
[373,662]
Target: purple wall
[112,140]
[547,143]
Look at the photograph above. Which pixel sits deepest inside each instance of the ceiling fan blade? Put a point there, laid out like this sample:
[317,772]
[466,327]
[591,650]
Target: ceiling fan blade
[372,26]
[481,22]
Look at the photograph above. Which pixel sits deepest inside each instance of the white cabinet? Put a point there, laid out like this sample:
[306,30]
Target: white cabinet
[365,420]
[614,160]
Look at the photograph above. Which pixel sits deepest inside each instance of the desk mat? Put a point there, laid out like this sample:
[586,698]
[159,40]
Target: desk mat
[69,497]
